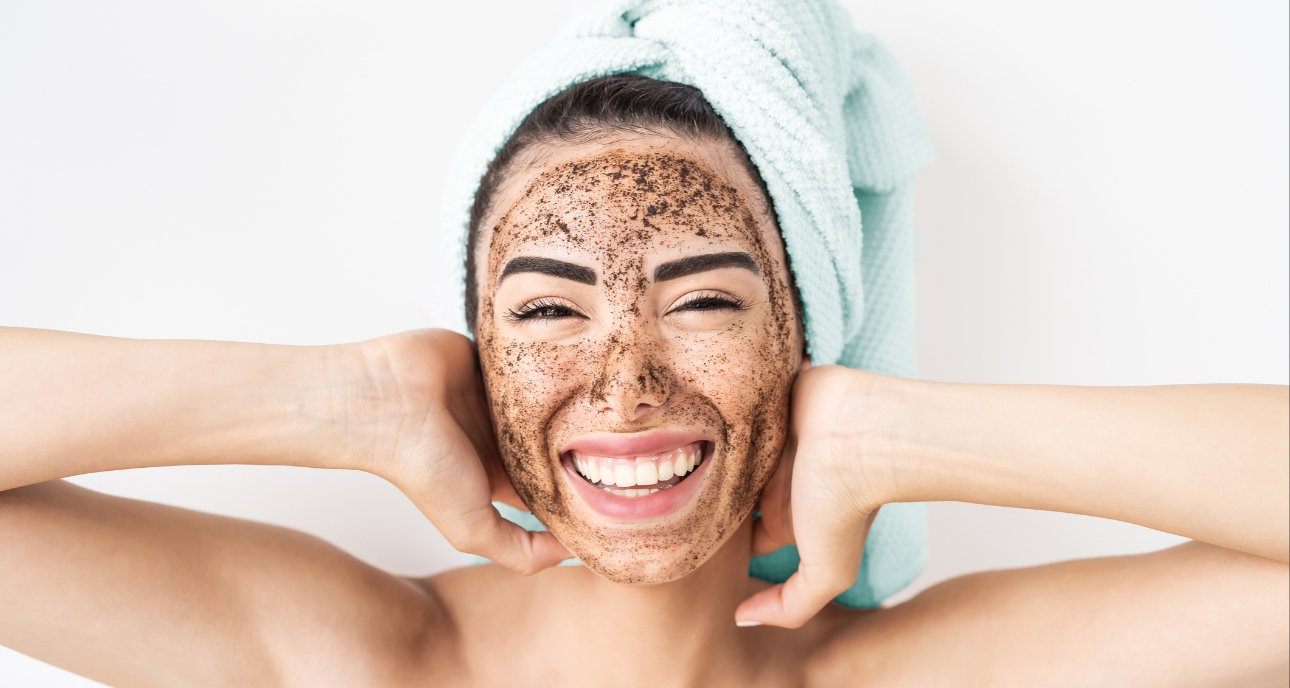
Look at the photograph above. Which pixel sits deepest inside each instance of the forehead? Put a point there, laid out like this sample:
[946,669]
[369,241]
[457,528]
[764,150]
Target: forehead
[612,201]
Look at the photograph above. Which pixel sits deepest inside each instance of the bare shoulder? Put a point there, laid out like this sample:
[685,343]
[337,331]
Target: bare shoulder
[485,611]
[1126,620]
[480,604]
[134,593]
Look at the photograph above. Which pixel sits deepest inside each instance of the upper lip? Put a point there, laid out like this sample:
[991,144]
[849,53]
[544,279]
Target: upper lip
[646,443]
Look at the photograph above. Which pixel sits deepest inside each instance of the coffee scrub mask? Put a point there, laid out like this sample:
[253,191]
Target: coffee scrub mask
[638,339]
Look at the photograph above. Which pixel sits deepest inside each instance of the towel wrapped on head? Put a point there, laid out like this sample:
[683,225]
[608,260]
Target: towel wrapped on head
[829,120]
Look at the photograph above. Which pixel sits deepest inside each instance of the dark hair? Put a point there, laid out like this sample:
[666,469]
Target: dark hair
[623,103]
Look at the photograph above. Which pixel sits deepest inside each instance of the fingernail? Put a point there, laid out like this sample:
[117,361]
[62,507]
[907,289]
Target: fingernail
[747,624]
[757,513]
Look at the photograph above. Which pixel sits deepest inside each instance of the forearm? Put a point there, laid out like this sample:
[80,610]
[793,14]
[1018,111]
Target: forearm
[73,404]
[1194,615]
[1206,462]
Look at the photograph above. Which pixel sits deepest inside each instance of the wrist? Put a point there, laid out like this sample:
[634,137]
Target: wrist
[878,413]
[330,394]
[927,425]
[405,387]
[364,396]
[266,405]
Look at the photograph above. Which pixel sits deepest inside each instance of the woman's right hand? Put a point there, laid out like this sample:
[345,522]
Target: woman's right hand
[428,431]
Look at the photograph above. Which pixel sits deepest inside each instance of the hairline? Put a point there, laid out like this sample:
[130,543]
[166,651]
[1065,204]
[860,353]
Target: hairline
[542,148]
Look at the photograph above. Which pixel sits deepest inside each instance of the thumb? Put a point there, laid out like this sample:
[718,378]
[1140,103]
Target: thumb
[500,487]
[485,532]
[452,488]
[775,527]
[831,555]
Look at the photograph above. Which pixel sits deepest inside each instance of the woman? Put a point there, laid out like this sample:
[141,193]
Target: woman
[637,330]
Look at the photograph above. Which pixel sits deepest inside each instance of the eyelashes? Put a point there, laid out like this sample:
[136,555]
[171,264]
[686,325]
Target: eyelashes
[549,308]
[544,309]
[707,301]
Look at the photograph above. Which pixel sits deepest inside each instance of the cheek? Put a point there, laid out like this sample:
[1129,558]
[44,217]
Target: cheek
[744,371]
[528,382]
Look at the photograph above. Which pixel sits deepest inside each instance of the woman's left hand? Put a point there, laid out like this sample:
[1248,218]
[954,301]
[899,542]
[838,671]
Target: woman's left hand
[824,495]
[1207,462]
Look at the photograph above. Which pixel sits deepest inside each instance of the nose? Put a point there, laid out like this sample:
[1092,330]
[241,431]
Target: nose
[631,382]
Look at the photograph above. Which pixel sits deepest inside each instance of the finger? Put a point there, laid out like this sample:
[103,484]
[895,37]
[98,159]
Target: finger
[792,603]
[459,505]
[500,487]
[486,533]
[763,542]
[830,561]
[775,504]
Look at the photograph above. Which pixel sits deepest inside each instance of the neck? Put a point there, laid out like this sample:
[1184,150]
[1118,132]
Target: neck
[672,633]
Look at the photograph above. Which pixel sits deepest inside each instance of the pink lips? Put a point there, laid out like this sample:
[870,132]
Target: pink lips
[647,443]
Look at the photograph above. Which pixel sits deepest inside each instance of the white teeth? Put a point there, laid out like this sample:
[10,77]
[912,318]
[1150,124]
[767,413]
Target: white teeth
[624,475]
[646,473]
[643,471]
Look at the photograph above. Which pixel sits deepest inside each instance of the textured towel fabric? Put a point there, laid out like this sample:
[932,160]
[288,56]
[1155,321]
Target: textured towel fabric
[829,120]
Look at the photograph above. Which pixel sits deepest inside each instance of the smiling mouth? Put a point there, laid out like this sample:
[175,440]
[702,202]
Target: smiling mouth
[639,476]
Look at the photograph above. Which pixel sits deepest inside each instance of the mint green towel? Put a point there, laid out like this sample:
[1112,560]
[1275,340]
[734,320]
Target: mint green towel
[828,118]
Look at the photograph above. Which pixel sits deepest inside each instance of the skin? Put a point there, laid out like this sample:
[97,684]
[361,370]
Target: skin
[633,353]
[138,594]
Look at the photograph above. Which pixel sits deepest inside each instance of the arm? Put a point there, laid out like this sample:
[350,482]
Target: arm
[407,407]
[1206,462]
[144,594]
[137,594]
[1193,615]
[74,404]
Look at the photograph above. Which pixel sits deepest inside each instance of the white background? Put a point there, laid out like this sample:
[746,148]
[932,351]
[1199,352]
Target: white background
[1109,206]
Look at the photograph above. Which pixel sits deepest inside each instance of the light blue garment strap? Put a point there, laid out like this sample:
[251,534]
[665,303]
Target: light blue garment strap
[896,526]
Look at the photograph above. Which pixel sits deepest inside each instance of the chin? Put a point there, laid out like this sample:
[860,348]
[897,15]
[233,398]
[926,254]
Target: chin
[627,566]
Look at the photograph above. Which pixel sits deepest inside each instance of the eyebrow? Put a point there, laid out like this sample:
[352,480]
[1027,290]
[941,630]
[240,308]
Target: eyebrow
[712,261]
[549,266]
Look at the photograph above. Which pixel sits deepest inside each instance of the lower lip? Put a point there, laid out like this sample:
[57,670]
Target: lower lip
[660,503]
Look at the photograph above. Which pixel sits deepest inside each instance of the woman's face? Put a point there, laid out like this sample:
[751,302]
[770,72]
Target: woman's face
[638,340]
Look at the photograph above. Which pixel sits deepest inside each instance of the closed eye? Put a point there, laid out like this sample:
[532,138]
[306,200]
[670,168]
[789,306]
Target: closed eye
[545,309]
[709,301]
